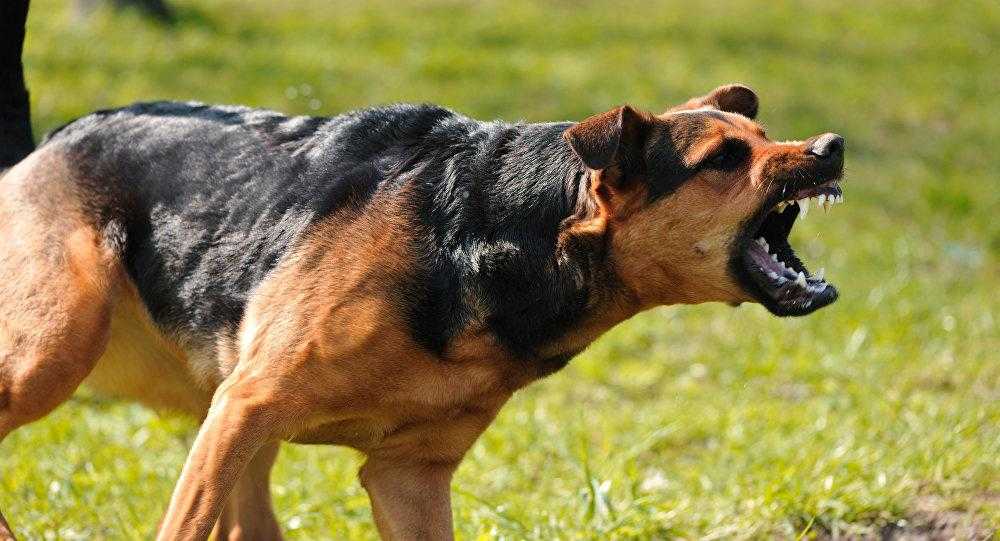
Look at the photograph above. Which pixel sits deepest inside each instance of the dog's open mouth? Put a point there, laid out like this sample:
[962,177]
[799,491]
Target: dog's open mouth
[783,283]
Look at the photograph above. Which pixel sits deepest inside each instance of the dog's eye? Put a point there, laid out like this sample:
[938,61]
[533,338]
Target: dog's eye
[730,154]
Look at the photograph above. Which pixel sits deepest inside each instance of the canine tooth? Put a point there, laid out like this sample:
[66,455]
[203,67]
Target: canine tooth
[804,205]
[780,207]
[820,274]
[763,244]
[774,257]
[801,279]
[825,202]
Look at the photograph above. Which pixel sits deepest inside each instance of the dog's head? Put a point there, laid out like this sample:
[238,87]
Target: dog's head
[698,202]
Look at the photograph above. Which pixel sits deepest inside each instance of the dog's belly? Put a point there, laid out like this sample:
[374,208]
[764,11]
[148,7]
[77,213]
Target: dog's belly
[143,365]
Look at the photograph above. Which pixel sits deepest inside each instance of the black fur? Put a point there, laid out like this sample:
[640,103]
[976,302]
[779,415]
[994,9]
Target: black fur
[211,198]
[492,206]
[16,140]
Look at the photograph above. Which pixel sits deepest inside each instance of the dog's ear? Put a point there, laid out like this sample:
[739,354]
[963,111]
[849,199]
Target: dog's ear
[734,98]
[609,138]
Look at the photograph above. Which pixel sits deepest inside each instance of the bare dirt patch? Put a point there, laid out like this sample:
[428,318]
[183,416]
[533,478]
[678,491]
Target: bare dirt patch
[931,520]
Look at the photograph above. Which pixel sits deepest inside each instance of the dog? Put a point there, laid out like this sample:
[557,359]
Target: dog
[383,279]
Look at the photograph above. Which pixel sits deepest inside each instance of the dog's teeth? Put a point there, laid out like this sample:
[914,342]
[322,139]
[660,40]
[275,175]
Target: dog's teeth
[772,275]
[801,279]
[804,206]
[825,202]
[763,244]
[780,206]
[774,257]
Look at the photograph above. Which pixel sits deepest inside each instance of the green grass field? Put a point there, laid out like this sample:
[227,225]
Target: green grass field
[880,412]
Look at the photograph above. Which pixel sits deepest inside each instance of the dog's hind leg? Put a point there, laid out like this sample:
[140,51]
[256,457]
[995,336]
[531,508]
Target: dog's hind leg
[248,513]
[56,281]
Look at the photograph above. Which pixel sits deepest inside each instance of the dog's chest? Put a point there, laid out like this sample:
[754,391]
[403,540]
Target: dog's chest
[397,394]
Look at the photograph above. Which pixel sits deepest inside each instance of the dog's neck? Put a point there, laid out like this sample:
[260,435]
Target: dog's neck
[542,279]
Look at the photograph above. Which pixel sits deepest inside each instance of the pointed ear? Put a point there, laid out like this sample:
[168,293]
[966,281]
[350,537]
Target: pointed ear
[734,98]
[602,140]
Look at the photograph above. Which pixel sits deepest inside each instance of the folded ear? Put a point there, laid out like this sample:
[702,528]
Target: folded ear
[605,139]
[734,98]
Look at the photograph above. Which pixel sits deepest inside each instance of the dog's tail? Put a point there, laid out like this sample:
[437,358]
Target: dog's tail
[16,140]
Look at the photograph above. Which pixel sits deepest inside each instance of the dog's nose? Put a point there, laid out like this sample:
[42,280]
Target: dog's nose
[828,145]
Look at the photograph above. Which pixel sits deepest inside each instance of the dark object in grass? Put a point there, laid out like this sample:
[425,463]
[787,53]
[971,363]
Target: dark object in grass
[157,10]
[16,140]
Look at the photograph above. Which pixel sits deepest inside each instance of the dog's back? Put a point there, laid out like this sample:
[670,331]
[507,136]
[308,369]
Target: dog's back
[209,198]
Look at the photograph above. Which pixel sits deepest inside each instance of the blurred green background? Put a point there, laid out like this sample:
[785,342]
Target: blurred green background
[879,415]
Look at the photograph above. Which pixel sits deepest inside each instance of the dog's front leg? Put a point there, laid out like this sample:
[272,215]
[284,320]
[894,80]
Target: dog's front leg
[248,513]
[241,421]
[408,477]
[410,500]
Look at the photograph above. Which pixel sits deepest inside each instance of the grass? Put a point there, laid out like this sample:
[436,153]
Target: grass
[694,422]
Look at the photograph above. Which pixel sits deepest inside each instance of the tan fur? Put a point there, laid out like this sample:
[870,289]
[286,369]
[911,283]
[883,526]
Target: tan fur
[248,513]
[142,364]
[56,278]
[677,250]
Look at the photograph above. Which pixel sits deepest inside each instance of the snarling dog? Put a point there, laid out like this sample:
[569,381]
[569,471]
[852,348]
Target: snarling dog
[383,279]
